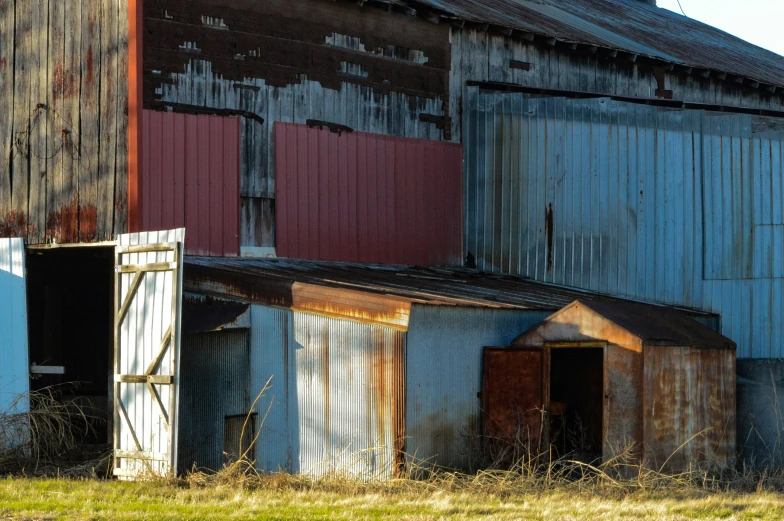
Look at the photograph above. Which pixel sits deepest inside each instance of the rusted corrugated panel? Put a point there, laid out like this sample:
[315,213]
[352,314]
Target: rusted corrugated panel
[367,198]
[190,178]
[350,392]
[689,407]
[630,26]
[355,305]
[214,384]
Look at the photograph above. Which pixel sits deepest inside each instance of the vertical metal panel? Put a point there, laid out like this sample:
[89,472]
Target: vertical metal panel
[689,407]
[443,376]
[14,376]
[367,198]
[271,361]
[513,398]
[350,381]
[191,178]
[215,369]
[145,423]
[673,206]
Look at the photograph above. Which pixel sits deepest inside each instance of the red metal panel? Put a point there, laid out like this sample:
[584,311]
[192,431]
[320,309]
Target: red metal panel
[191,178]
[367,198]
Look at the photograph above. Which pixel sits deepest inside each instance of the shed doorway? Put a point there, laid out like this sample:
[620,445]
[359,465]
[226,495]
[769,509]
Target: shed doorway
[575,396]
[70,326]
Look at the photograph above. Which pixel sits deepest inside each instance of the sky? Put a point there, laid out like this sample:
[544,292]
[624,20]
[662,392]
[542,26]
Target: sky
[756,21]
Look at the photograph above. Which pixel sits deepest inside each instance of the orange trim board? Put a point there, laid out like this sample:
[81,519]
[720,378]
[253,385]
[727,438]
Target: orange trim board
[135,157]
[351,304]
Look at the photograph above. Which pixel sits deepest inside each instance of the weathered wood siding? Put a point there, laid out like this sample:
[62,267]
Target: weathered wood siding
[479,56]
[336,62]
[63,97]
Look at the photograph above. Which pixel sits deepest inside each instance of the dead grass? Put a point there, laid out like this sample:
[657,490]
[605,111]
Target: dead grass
[290,497]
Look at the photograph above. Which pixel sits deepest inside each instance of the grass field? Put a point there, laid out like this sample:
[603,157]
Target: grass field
[40,499]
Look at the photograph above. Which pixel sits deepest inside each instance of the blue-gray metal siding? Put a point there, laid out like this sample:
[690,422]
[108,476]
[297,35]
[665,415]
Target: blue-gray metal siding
[214,381]
[443,376]
[336,395]
[680,207]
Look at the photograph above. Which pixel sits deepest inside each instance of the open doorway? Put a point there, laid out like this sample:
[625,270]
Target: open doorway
[576,402]
[70,321]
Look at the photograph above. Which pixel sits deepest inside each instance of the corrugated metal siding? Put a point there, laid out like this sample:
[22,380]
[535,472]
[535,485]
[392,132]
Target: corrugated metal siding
[632,200]
[350,381]
[336,401]
[214,383]
[271,361]
[14,379]
[689,407]
[367,198]
[191,178]
[443,376]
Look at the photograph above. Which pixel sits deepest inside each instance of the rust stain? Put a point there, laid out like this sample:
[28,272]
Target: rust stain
[64,83]
[71,223]
[548,225]
[90,73]
[14,224]
[3,62]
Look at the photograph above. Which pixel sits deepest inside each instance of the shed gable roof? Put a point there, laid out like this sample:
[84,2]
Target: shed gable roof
[653,325]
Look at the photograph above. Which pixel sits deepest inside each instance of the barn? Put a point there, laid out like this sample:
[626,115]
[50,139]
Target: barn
[606,147]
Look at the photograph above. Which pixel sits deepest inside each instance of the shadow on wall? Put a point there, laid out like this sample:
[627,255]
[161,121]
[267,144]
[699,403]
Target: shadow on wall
[760,395]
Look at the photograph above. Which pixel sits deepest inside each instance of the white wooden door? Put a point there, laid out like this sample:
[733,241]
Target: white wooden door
[14,375]
[148,300]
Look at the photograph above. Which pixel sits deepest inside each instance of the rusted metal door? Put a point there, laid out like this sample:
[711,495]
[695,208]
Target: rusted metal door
[148,300]
[513,398]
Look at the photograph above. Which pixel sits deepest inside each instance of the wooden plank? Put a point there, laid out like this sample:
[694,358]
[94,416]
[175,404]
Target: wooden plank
[152,456]
[140,268]
[156,379]
[161,351]
[107,118]
[23,69]
[6,102]
[118,68]
[144,248]
[39,125]
[88,114]
[72,152]
[54,73]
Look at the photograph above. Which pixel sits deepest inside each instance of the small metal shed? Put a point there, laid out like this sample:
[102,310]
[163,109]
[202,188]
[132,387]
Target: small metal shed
[597,377]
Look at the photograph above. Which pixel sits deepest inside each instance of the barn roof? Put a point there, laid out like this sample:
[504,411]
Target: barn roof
[451,286]
[630,26]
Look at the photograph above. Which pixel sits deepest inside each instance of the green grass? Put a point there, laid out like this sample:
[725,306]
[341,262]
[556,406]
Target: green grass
[39,499]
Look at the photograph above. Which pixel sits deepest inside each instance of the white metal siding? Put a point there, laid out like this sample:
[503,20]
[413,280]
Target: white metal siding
[14,376]
[674,206]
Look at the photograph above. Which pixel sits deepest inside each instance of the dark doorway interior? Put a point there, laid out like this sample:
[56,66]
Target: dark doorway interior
[70,316]
[576,389]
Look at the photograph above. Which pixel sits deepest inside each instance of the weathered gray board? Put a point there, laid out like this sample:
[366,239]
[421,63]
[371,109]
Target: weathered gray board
[63,94]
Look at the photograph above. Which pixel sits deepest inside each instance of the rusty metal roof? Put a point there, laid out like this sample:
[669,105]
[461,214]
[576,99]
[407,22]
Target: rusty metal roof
[624,25]
[659,325]
[271,280]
